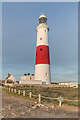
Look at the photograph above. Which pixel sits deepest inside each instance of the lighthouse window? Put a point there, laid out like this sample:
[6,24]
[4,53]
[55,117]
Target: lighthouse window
[42,20]
[46,74]
[41,49]
[40,38]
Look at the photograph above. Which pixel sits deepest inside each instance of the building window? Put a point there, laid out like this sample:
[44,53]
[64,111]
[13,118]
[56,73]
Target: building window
[40,38]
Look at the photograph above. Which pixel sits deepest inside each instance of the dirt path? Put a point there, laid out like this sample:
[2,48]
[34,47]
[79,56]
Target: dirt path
[18,107]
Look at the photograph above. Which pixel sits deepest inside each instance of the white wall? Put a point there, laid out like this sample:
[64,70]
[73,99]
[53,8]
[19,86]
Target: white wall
[30,82]
[27,77]
[42,32]
[71,84]
[42,72]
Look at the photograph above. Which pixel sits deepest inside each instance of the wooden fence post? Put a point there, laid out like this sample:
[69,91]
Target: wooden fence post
[60,103]
[39,98]
[30,94]
[9,89]
[14,90]
[18,92]
[23,93]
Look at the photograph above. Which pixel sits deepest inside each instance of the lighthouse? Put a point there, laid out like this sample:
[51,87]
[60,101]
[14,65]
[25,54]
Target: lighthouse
[42,62]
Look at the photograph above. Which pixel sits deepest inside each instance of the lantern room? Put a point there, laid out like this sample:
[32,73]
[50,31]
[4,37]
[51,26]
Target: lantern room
[42,19]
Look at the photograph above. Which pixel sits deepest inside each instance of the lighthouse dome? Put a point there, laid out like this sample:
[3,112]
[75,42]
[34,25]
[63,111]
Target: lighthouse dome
[42,16]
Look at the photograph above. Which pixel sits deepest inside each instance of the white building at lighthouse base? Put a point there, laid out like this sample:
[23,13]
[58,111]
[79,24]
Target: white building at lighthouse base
[29,79]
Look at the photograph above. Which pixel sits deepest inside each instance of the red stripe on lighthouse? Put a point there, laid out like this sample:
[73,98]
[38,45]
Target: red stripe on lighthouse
[42,55]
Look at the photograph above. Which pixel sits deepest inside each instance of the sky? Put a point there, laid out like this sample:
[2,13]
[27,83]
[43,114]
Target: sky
[19,22]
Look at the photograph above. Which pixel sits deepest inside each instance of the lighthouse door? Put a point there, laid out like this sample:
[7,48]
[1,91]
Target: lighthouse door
[43,82]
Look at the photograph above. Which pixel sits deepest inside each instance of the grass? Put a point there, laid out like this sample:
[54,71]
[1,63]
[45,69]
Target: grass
[66,93]
[15,94]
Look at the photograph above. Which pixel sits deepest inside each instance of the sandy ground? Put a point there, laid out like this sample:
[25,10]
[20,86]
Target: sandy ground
[19,107]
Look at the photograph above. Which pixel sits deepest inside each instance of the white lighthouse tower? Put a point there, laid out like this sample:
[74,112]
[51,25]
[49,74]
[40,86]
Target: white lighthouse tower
[42,63]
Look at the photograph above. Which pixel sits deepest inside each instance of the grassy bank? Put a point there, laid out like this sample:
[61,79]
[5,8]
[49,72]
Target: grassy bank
[66,93]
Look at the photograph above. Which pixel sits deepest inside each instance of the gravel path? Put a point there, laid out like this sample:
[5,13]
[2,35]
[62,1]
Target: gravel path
[19,107]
